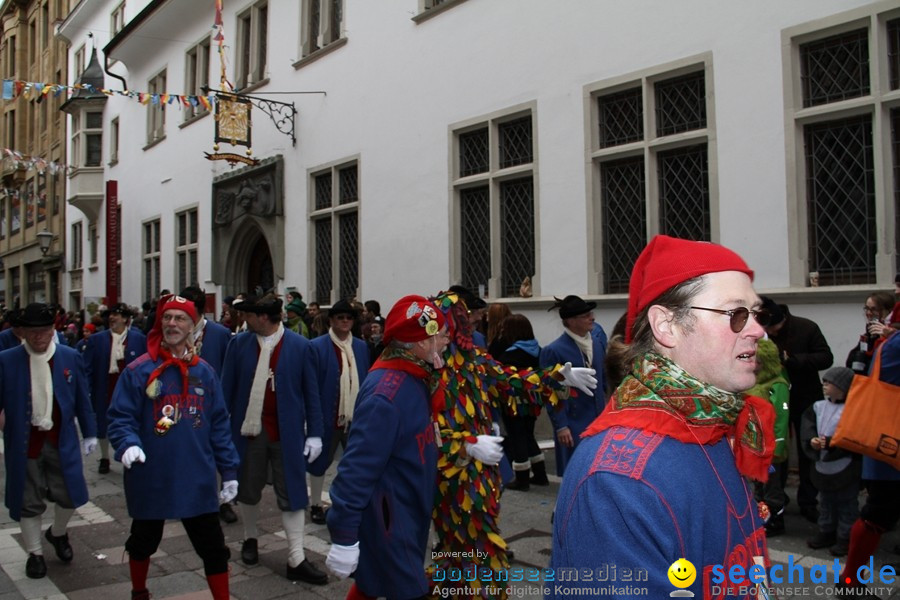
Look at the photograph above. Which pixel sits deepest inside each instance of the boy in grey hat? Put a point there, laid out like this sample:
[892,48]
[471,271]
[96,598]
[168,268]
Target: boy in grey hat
[836,472]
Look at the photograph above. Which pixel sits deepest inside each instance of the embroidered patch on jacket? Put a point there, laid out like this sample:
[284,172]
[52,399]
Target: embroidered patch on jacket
[626,451]
[389,384]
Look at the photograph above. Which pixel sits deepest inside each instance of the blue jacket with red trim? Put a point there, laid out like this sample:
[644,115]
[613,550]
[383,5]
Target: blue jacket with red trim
[639,501]
[384,489]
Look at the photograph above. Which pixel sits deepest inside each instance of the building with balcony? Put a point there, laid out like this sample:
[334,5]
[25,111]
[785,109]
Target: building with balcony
[32,154]
[475,142]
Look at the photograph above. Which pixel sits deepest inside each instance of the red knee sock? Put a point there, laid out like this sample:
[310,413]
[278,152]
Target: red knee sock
[355,594]
[864,538]
[218,585]
[139,569]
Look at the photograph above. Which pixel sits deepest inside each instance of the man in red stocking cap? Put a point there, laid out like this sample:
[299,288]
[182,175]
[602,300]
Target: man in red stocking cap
[382,495]
[660,475]
[169,426]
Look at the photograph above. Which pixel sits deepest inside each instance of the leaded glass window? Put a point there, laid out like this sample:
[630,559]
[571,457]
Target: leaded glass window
[840,201]
[835,68]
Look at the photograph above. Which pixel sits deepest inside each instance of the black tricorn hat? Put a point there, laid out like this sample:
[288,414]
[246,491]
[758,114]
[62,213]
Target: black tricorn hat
[36,314]
[119,308]
[572,306]
[342,307]
[267,305]
[472,301]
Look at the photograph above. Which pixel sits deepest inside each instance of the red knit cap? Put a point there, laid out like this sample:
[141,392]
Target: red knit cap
[170,302]
[412,319]
[668,261]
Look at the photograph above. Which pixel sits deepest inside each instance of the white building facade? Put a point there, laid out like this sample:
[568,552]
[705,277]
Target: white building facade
[483,141]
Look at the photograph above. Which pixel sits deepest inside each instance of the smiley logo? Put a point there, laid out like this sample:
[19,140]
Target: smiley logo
[682,573]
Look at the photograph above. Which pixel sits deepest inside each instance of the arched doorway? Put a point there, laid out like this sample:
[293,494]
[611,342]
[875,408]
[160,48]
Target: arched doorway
[260,272]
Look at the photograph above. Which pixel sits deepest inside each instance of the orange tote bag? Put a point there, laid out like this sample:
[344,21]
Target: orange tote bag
[870,423]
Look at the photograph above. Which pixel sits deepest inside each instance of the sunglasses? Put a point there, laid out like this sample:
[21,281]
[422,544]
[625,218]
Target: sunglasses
[740,316]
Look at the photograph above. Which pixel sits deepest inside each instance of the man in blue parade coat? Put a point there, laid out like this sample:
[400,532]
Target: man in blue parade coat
[169,426]
[269,380]
[582,346]
[43,390]
[342,362]
[383,494]
[106,355]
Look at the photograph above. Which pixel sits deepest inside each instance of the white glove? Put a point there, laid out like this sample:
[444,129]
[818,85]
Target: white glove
[132,455]
[88,445]
[342,560]
[579,377]
[312,449]
[229,491]
[495,427]
[487,449]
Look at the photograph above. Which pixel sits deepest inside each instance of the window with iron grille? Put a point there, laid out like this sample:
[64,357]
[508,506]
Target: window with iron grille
[630,147]
[186,245]
[494,190]
[322,23]
[151,259]
[334,218]
[835,68]
[833,174]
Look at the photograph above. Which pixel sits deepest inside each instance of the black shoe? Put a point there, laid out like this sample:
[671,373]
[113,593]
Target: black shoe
[307,572]
[35,568]
[840,548]
[226,513]
[103,469]
[143,594]
[520,483]
[810,513]
[540,473]
[250,552]
[317,514]
[61,545]
[775,526]
[822,540]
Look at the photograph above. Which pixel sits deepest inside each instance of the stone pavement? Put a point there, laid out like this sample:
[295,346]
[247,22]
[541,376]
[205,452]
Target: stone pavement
[100,571]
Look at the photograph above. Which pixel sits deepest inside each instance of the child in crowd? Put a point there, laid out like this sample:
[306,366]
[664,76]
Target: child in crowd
[836,472]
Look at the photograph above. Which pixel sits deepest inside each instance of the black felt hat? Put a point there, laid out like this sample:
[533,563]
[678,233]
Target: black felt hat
[342,307]
[472,301]
[36,314]
[119,308]
[267,305]
[572,306]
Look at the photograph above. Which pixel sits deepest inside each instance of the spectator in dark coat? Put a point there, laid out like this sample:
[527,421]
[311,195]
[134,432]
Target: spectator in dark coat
[804,352]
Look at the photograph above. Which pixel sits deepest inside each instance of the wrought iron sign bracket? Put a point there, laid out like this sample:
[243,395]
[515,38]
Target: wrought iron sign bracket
[282,114]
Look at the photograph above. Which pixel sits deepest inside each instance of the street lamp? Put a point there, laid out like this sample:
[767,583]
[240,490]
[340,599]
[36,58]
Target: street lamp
[45,238]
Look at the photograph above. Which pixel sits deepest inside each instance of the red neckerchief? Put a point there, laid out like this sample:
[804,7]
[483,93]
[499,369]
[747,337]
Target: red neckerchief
[182,364]
[752,452]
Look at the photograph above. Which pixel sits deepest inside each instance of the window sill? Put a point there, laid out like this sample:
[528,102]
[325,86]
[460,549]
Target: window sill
[77,271]
[93,268]
[75,171]
[314,56]
[155,142]
[192,120]
[252,86]
[112,162]
[433,12]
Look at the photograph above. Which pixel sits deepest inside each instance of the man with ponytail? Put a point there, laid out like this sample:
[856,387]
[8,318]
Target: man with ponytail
[660,475]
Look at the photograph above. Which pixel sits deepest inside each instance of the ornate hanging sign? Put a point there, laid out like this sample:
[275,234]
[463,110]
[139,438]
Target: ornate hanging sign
[233,126]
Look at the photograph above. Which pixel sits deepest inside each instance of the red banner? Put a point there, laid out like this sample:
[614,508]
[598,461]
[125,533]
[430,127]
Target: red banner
[112,242]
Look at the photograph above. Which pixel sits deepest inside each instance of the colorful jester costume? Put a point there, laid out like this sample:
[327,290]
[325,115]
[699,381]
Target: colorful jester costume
[473,387]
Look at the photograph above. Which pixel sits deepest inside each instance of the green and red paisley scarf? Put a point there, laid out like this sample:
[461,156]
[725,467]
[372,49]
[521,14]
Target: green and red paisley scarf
[660,397]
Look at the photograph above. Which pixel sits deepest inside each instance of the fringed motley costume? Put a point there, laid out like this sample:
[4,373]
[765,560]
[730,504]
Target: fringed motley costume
[472,388]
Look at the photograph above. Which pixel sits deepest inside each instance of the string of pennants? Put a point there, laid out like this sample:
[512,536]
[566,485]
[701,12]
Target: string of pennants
[37,163]
[13,89]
